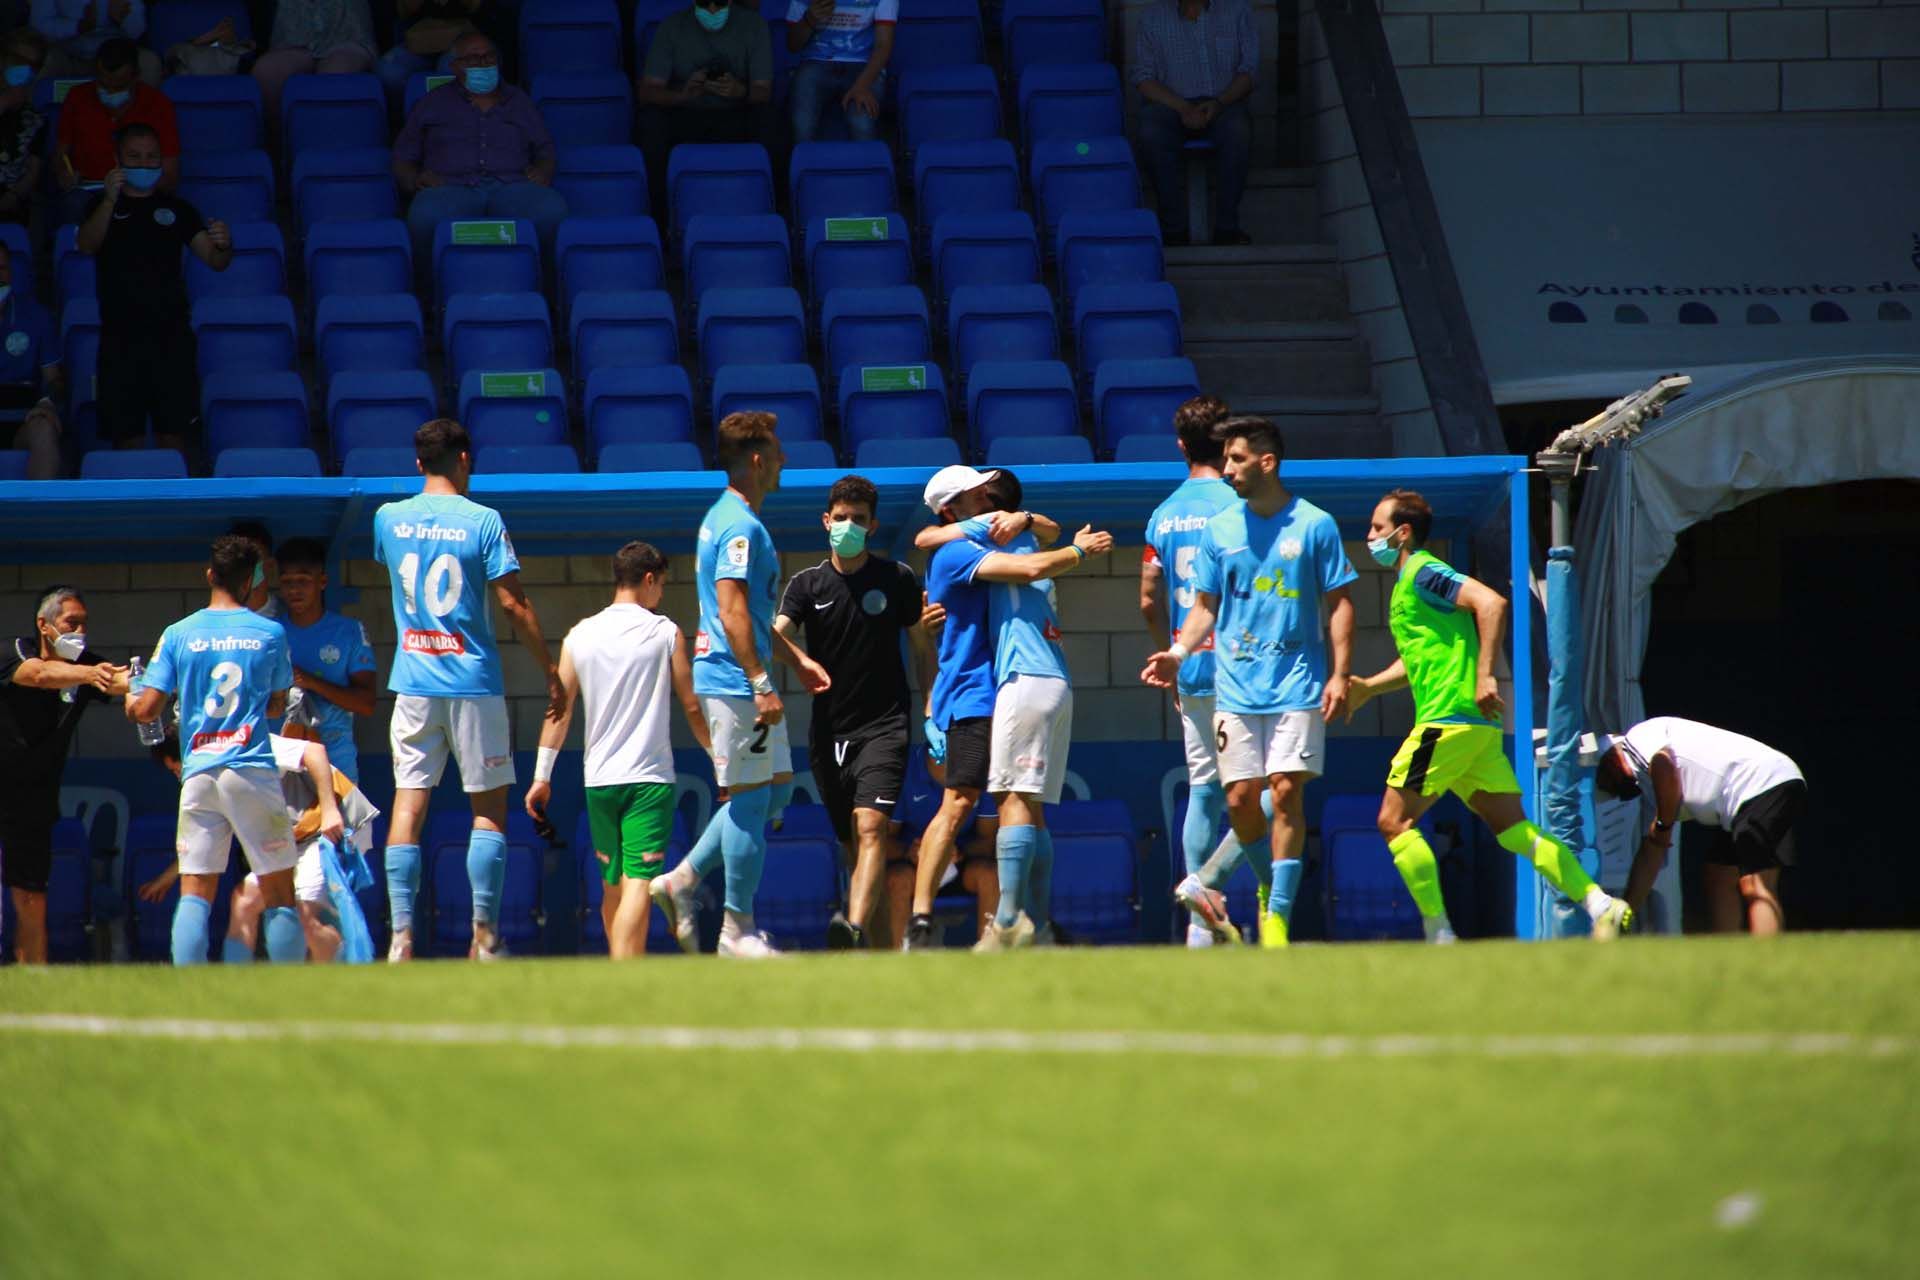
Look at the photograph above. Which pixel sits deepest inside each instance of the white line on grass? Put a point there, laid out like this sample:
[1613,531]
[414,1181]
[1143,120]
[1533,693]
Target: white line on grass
[910,1040]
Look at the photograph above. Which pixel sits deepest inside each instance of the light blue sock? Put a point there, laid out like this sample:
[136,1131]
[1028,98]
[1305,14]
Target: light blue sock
[190,916]
[486,868]
[1205,804]
[235,951]
[705,854]
[1040,879]
[286,941]
[403,881]
[1286,879]
[743,847]
[1015,848]
[1228,856]
[1258,855]
[500,878]
[777,807]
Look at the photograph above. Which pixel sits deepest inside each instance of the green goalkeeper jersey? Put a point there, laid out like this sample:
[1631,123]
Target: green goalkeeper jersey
[1438,641]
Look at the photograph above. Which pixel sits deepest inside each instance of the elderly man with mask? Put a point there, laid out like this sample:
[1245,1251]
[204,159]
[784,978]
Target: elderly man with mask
[47,681]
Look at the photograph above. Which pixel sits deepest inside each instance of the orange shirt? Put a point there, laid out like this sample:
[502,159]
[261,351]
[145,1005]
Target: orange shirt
[87,127]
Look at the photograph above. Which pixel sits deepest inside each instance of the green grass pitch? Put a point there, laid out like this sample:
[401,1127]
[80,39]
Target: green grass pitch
[336,1157]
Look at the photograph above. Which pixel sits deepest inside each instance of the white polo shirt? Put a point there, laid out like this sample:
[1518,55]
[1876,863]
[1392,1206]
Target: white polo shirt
[1720,771]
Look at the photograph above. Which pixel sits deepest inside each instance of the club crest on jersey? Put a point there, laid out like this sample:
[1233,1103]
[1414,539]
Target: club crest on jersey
[432,644]
[329,653]
[1290,548]
[738,550]
[874,602]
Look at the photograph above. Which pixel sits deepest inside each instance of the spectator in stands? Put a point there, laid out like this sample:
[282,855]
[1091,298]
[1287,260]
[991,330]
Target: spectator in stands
[709,74]
[93,117]
[476,148]
[79,29]
[22,54]
[136,231]
[332,37]
[1194,62]
[29,376]
[843,47]
[428,31]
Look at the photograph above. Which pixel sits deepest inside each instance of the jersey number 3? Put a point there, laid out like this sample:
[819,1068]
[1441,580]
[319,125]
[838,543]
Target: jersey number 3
[1183,592]
[225,698]
[442,587]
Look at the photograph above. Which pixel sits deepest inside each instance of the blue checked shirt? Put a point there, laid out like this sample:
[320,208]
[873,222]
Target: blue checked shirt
[1197,59]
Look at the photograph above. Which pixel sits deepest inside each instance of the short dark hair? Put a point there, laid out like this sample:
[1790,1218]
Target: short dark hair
[1412,510]
[116,54]
[168,748]
[742,435]
[1259,433]
[635,561]
[438,445]
[855,491]
[254,531]
[1004,491]
[133,133]
[233,561]
[1194,422]
[308,553]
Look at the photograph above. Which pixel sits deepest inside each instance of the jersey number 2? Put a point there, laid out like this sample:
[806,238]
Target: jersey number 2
[441,587]
[225,698]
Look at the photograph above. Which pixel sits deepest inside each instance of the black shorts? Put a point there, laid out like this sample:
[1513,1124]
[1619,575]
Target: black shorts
[1761,837]
[27,816]
[865,771]
[969,750]
[150,374]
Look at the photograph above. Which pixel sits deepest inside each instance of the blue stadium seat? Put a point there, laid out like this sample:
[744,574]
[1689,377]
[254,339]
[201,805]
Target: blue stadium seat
[133,464]
[354,332]
[727,251]
[378,409]
[610,330]
[937,33]
[217,113]
[832,179]
[569,35]
[1090,818]
[618,254]
[983,248]
[1096,887]
[419,85]
[1051,31]
[1136,398]
[358,258]
[791,391]
[514,407]
[69,893]
[1020,398]
[234,186]
[1039,451]
[873,454]
[602,182]
[373,462]
[735,176]
[1071,100]
[638,406]
[674,455]
[530,459]
[806,455]
[1366,898]
[13,464]
[647,16]
[1091,175]
[242,462]
[184,21]
[73,271]
[332,111]
[254,410]
[1124,322]
[962,178]
[1116,246]
[258,269]
[1163,447]
[587,108]
[868,253]
[799,889]
[947,104]
[20,256]
[1000,322]
[245,335]
[447,889]
[150,851]
[495,331]
[750,326]
[907,402]
[499,265]
[874,327]
[343,184]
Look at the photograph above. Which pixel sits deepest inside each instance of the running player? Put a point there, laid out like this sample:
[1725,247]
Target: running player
[1447,629]
[441,551]
[231,670]
[737,578]
[1271,584]
[851,611]
[625,662]
[332,659]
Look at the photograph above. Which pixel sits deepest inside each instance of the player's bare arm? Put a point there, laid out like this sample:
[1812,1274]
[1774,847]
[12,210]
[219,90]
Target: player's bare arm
[1651,856]
[526,625]
[313,759]
[1489,609]
[1153,602]
[1002,526]
[52,673]
[920,642]
[736,623]
[144,707]
[1333,698]
[1364,689]
[1163,669]
[1038,566]
[689,700]
[357,696]
[813,676]
[553,732]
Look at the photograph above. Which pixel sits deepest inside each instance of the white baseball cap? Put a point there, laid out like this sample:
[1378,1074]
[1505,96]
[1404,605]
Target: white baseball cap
[949,483]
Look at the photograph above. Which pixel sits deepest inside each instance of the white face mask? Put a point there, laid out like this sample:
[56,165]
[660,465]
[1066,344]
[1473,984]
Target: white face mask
[70,646]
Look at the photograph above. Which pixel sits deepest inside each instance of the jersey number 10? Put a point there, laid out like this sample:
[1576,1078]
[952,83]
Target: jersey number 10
[442,586]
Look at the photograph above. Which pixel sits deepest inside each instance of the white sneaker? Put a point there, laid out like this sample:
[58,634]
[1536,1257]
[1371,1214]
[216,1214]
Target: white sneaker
[400,950]
[747,946]
[1439,931]
[1010,938]
[1614,921]
[1199,936]
[683,916]
[1208,908]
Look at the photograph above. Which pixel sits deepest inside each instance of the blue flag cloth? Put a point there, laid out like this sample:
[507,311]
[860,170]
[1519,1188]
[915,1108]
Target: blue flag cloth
[346,873]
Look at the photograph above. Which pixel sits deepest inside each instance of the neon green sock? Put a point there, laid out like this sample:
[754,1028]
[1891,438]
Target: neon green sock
[1551,858]
[1413,856]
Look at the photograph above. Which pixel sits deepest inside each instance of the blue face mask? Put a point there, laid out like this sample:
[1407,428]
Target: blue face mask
[481,79]
[115,100]
[846,538]
[19,76]
[143,179]
[712,19]
[1383,550]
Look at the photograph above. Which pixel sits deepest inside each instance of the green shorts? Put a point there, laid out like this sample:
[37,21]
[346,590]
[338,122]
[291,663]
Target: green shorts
[631,823]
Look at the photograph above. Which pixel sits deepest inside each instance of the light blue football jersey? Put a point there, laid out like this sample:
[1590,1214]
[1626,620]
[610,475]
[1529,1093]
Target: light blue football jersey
[441,551]
[223,665]
[1173,542]
[1025,622]
[733,544]
[333,648]
[1269,575]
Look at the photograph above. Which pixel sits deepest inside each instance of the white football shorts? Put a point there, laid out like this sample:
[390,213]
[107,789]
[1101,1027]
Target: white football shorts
[745,753]
[223,804]
[474,730]
[1032,730]
[1197,733]
[1259,746]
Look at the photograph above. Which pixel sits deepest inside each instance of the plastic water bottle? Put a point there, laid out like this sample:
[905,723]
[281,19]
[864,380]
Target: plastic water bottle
[152,732]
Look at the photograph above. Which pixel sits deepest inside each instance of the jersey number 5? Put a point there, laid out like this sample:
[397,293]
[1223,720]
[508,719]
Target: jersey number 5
[225,698]
[442,586]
